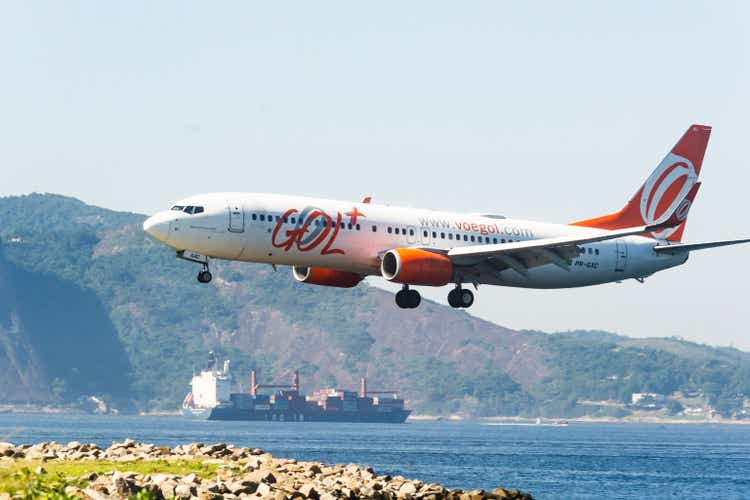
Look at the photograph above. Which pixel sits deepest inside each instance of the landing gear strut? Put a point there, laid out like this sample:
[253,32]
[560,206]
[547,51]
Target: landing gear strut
[204,276]
[407,298]
[460,297]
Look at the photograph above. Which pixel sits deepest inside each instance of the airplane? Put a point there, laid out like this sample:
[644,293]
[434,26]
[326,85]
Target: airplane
[339,243]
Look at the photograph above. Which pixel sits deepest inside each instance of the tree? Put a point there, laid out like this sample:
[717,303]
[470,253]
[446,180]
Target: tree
[674,407]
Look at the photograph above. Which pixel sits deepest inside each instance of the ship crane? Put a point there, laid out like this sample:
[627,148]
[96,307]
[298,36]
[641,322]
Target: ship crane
[254,386]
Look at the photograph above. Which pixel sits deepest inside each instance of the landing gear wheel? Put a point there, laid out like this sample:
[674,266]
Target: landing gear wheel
[453,299]
[408,299]
[204,277]
[413,299]
[460,298]
[402,299]
[466,297]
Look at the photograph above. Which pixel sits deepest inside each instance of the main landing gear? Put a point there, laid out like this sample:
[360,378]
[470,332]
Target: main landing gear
[407,298]
[460,297]
[204,276]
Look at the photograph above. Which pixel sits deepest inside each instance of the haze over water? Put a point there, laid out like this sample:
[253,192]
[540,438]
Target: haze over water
[579,461]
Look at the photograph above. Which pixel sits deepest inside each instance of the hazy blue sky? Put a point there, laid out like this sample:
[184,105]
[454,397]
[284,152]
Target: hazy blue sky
[543,110]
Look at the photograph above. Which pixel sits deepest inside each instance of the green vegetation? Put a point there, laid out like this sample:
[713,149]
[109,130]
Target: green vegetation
[49,480]
[89,305]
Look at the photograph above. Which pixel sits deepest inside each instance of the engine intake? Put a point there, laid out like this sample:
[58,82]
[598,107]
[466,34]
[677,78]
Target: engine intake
[325,277]
[412,266]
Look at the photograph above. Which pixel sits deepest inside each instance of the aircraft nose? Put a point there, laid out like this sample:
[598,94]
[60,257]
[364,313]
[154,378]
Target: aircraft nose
[158,227]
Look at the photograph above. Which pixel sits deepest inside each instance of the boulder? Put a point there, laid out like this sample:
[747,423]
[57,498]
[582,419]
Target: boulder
[309,491]
[407,489]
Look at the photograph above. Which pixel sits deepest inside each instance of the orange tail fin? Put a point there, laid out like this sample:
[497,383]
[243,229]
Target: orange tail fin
[667,186]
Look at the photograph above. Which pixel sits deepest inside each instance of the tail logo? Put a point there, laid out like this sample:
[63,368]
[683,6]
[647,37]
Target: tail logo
[666,188]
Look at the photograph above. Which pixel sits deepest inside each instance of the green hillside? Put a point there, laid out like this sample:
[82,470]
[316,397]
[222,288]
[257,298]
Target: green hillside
[90,305]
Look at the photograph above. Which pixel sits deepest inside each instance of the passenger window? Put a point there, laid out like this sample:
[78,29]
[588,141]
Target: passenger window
[350,226]
[277,218]
[434,234]
[390,230]
[450,236]
[494,240]
[411,232]
[357,227]
[262,217]
[442,236]
[472,238]
[502,240]
[342,225]
[486,239]
[374,229]
[294,221]
[255,216]
[424,233]
[596,251]
[466,238]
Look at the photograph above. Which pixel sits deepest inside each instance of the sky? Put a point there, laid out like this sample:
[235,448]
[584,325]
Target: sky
[552,111]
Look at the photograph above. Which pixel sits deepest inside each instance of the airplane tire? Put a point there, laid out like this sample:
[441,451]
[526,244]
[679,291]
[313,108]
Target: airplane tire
[453,299]
[204,277]
[413,299]
[402,299]
[466,298]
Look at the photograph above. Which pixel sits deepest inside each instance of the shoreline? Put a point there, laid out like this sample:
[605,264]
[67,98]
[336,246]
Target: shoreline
[651,420]
[202,471]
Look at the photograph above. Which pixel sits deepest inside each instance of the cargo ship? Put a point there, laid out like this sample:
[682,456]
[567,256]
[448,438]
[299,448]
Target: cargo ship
[211,398]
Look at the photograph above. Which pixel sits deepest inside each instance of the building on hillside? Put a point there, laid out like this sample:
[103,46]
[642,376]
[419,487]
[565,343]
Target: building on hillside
[650,400]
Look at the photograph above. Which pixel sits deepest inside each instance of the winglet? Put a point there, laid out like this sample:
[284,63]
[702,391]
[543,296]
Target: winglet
[367,199]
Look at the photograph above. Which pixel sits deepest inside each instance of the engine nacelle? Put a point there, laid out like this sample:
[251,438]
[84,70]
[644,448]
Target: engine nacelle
[416,267]
[325,277]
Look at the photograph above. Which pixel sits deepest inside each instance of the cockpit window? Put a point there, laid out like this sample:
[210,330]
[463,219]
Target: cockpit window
[190,209]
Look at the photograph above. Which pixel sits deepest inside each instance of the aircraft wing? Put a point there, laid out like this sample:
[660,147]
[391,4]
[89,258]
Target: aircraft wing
[522,255]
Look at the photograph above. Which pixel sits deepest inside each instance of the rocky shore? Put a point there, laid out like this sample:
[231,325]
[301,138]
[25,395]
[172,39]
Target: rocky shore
[204,471]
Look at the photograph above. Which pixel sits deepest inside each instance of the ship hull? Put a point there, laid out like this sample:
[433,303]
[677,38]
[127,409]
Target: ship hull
[229,413]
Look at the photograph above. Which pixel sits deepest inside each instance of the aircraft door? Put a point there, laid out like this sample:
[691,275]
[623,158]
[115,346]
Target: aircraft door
[621,258]
[236,217]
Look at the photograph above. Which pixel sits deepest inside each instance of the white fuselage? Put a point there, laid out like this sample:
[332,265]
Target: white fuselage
[299,231]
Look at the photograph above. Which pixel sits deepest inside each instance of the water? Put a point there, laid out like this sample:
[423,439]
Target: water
[578,461]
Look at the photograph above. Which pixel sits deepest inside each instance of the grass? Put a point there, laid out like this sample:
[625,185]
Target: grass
[19,476]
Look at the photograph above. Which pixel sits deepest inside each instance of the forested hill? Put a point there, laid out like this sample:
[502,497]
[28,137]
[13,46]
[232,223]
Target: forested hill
[89,305]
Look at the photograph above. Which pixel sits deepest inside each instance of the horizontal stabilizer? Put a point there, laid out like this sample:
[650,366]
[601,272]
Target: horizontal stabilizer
[681,248]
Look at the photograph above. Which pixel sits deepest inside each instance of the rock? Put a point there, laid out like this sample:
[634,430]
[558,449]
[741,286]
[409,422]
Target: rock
[190,479]
[246,487]
[261,476]
[407,489]
[95,494]
[40,470]
[183,491]
[263,490]
[309,491]
[168,487]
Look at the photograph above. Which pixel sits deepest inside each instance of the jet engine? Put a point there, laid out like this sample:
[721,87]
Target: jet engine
[325,277]
[416,267]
